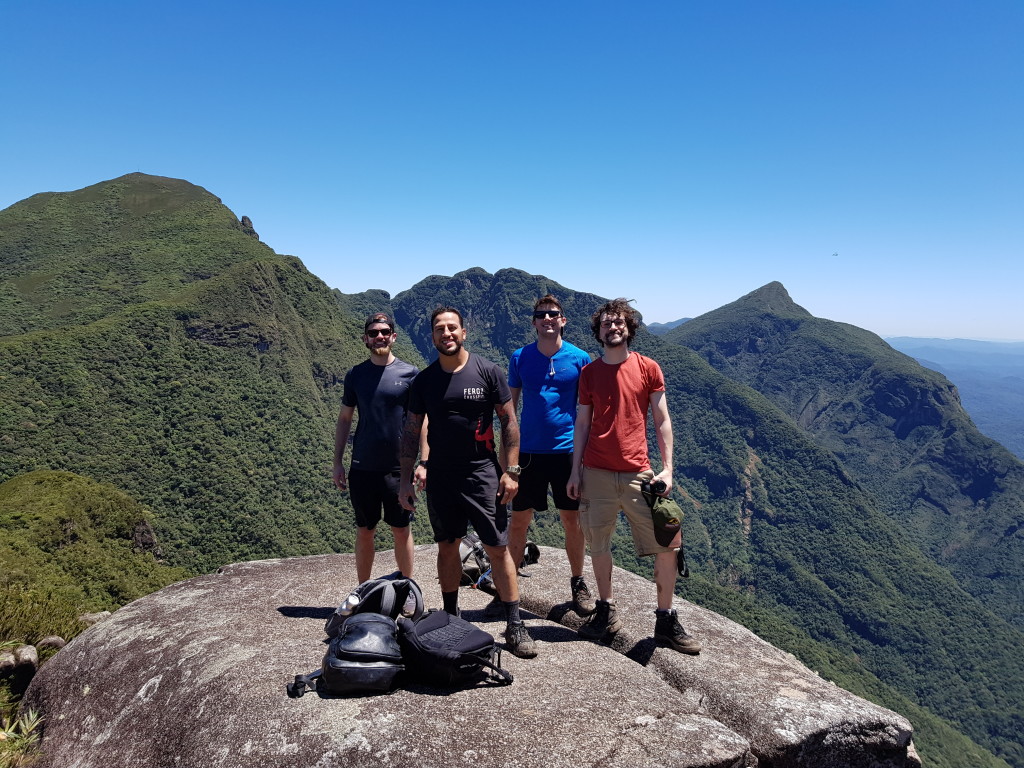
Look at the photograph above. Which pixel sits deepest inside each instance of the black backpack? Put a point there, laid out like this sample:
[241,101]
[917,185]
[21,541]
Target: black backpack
[447,651]
[391,596]
[363,657]
[476,565]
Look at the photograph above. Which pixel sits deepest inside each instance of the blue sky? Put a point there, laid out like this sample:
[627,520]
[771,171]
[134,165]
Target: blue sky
[867,155]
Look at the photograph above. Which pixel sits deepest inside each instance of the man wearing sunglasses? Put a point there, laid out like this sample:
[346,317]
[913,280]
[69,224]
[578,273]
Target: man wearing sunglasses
[379,388]
[545,374]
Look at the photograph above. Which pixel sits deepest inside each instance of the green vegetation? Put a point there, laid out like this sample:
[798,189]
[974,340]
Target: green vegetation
[19,737]
[71,546]
[200,373]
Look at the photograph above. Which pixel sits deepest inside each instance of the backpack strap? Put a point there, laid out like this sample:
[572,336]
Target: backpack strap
[297,689]
[499,675]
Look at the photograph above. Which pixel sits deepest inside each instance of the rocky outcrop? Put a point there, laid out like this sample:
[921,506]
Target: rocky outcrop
[195,675]
[247,227]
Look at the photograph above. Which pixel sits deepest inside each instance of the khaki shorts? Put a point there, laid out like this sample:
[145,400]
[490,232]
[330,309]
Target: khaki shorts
[604,494]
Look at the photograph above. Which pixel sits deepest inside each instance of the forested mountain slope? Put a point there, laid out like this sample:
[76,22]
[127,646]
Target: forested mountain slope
[210,397]
[69,545]
[989,376]
[897,427]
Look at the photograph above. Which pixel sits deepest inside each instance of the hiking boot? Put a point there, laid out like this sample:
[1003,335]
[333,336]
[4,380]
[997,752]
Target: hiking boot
[668,630]
[495,609]
[604,621]
[518,641]
[582,600]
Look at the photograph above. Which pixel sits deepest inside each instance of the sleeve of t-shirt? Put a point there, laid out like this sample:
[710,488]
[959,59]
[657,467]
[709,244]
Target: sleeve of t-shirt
[655,378]
[514,379]
[348,395]
[415,403]
[499,387]
[583,388]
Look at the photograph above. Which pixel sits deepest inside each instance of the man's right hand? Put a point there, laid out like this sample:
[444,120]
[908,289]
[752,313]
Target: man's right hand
[407,495]
[338,475]
[574,486]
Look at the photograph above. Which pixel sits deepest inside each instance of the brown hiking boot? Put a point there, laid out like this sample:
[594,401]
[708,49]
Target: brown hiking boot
[604,621]
[668,630]
[582,600]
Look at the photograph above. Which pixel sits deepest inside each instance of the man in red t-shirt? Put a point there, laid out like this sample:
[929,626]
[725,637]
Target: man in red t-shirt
[610,463]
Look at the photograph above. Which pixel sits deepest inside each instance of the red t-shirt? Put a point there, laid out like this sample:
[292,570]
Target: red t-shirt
[619,396]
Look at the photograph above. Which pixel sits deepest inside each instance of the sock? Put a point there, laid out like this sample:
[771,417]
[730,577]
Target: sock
[451,602]
[512,612]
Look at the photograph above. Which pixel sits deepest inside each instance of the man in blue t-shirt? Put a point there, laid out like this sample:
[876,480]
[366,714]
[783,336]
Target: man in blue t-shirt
[379,388]
[545,374]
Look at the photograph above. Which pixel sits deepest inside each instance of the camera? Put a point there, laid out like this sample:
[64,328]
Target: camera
[657,487]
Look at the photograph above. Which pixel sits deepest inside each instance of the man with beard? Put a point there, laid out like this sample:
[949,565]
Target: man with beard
[459,394]
[610,463]
[379,388]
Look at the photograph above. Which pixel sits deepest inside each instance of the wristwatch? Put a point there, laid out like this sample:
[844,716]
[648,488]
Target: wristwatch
[514,469]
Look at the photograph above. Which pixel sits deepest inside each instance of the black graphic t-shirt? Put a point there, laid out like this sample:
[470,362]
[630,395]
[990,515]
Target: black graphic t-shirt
[460,409]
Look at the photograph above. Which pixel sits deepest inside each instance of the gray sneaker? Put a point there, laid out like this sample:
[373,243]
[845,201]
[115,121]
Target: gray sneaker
[582,600]
[604,621]
[518,641]
[668,630]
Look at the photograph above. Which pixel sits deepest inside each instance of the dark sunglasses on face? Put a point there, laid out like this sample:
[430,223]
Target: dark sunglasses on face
[373,333]
[554,314]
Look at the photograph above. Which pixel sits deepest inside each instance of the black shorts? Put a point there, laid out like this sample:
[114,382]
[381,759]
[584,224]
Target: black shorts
[372,492]
[458,497]
[541,470]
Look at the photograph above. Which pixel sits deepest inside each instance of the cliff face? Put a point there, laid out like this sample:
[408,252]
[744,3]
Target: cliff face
[195,675]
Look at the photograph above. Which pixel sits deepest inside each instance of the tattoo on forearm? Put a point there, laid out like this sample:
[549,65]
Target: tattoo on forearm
[410,445]
[509,430]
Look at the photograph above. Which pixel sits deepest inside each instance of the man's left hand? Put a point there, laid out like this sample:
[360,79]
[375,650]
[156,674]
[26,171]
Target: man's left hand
[666,477]
[508,487]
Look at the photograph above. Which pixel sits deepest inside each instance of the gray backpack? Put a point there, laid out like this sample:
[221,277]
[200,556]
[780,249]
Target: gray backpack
[391,596]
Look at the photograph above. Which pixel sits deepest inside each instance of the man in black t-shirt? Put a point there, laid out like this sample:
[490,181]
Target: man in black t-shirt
[459,394]
[379,388]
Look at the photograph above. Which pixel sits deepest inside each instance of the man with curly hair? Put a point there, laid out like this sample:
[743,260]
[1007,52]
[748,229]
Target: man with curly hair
[610,463]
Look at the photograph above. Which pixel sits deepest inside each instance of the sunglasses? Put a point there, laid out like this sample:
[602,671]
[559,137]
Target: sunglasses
[373,333]
[554,314]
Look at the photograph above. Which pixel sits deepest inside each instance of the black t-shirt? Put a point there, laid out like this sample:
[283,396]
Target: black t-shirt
[460,409]
[380,394]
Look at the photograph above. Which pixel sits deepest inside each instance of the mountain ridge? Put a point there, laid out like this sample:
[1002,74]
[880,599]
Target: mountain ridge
[898,428]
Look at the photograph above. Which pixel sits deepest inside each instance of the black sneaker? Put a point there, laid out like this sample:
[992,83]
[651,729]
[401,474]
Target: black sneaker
[495,609]
[604,621]
[668,630]
[518,641]
[582,600]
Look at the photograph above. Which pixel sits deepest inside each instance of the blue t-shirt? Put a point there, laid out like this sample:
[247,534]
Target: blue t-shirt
[548,387]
